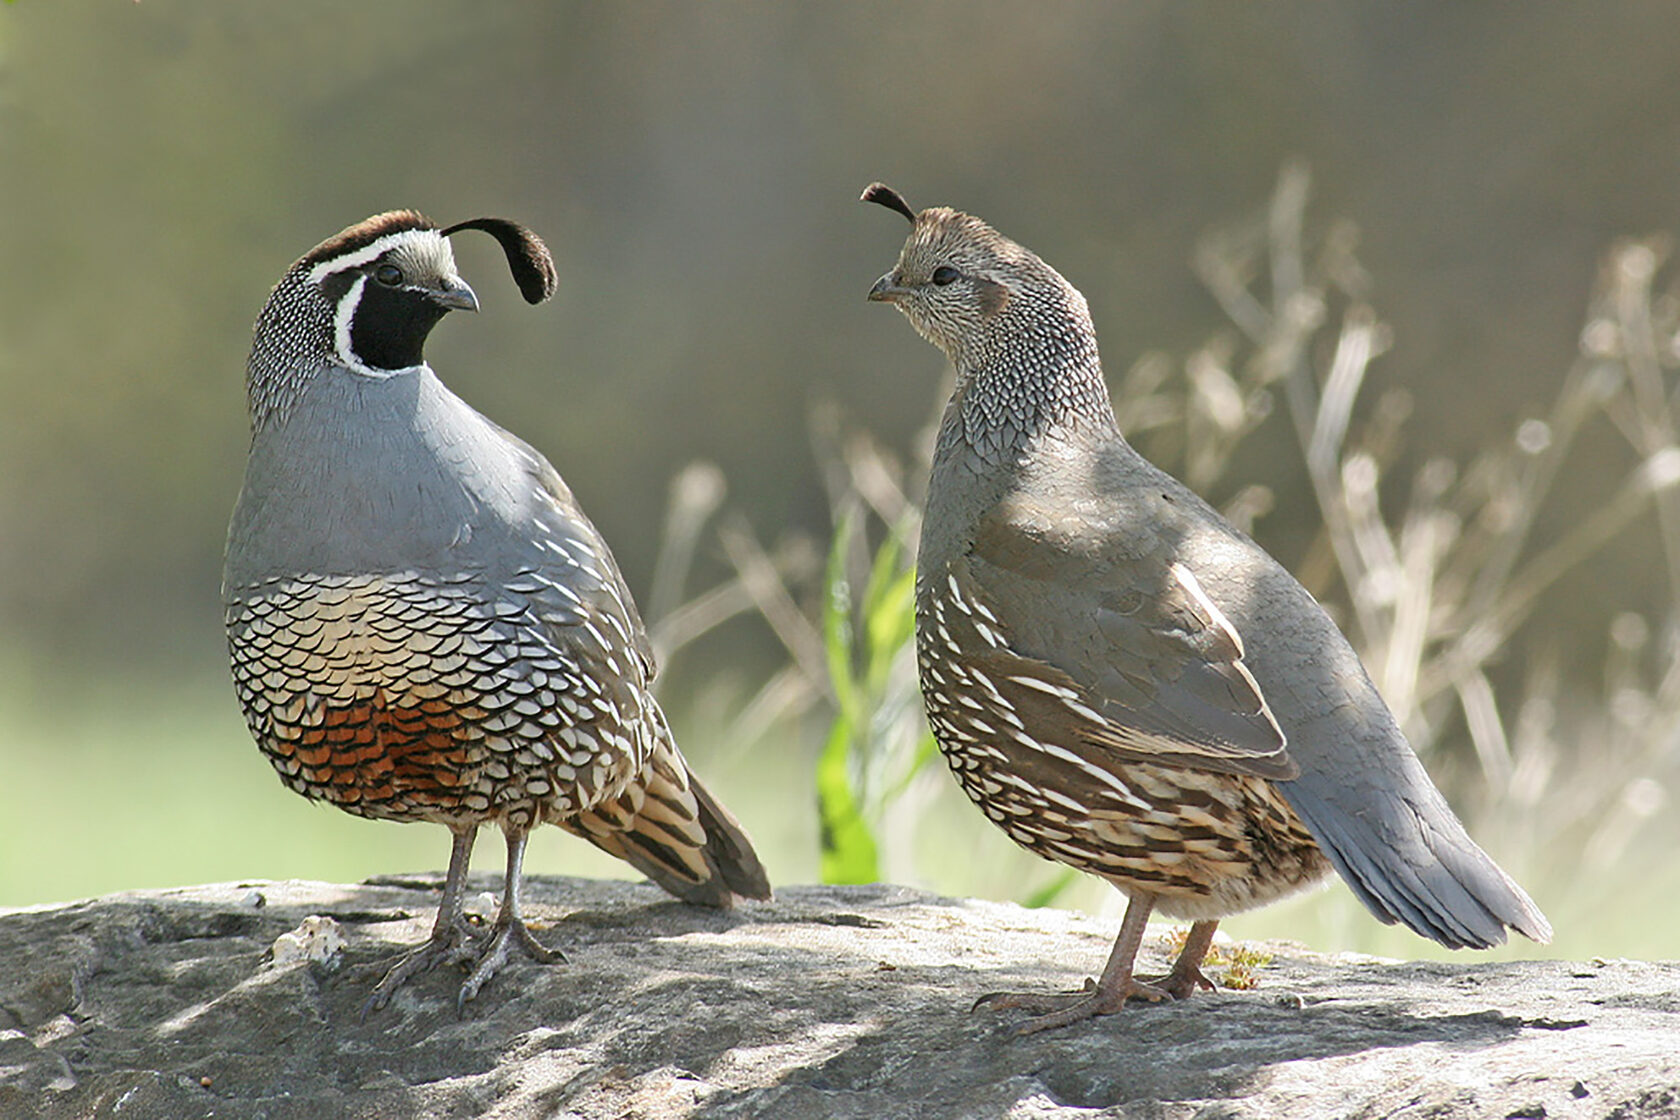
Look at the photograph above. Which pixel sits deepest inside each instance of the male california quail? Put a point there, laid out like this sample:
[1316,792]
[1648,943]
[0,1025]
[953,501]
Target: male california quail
[1122,680]
[423,624]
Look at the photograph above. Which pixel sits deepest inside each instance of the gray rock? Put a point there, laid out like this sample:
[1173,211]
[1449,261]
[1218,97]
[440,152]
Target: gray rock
[827,1002]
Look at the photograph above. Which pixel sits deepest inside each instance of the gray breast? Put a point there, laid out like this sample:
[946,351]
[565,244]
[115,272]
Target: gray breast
[366,475]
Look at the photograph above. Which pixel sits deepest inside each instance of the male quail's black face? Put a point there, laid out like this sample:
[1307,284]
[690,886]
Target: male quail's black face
[387,296]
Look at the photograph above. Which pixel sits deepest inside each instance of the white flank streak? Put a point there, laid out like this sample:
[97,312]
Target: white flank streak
[1082,710]
[1045,686]
[1015,780]
[985,682]
[1096,772]
[1009,717]
[1062,799]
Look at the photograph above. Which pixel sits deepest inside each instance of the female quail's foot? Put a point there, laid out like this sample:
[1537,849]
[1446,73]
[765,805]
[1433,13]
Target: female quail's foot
[1062,1008]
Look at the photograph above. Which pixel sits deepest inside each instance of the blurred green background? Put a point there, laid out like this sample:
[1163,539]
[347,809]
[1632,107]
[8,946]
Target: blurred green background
[695,169]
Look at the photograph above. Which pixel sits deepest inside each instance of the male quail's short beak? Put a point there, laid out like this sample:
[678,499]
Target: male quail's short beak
[456,295]
[885,291]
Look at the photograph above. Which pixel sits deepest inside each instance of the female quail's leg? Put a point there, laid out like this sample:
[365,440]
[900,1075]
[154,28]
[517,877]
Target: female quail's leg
[1186,975]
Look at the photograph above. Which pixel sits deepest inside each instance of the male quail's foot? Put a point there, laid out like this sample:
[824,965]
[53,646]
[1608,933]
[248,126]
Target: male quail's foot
[1120,679]
[458,944]
[483,951]
[510,932]
[508,935]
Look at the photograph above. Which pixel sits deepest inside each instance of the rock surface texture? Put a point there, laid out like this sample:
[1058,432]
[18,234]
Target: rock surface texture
[228,1001]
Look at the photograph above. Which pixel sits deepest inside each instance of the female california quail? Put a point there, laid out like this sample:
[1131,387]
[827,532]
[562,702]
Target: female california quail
[1123,681]
[423,624]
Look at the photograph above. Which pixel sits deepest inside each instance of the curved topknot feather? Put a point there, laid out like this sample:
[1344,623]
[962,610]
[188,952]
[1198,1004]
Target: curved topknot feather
[882,195]
[528,258]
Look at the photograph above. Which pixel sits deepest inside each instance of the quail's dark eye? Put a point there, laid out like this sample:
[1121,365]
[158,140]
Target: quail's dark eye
[389,275]
[944,275]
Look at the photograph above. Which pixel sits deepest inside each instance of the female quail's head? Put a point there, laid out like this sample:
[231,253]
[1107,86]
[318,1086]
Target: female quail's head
[965,287]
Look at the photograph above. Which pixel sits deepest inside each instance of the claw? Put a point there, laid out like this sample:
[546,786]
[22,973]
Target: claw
[1060,1009]
[997,1001]
[1108,995]
[454,941]
[1181,984]
[457,942]
[507,936]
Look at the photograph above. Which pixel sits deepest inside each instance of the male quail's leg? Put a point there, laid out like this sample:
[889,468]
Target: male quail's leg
[510,931]
[1101,997]
[452,938]
[1186,975]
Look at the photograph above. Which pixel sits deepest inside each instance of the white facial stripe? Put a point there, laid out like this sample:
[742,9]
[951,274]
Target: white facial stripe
[371,252]
[344,317]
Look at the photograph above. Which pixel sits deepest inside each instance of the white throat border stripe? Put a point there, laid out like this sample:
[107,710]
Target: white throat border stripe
[343,319]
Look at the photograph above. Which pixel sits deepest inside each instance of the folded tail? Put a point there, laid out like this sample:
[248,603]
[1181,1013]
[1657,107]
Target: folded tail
[668,827]
[1409,860]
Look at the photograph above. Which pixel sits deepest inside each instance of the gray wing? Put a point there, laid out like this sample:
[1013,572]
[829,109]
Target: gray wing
[1142,661]
[565,543]
[666,824]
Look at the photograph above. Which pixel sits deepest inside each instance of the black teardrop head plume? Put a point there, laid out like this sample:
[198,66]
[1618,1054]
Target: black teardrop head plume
[527,256]
[883,195]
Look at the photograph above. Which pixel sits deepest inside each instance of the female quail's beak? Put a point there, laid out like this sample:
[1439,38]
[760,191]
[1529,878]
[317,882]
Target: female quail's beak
[887,290]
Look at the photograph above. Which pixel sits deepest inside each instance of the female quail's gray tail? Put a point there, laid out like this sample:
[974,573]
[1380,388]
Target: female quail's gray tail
[670,828]
[1409,860]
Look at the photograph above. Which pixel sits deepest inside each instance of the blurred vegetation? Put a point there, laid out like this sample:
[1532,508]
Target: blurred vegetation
[1482,508]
